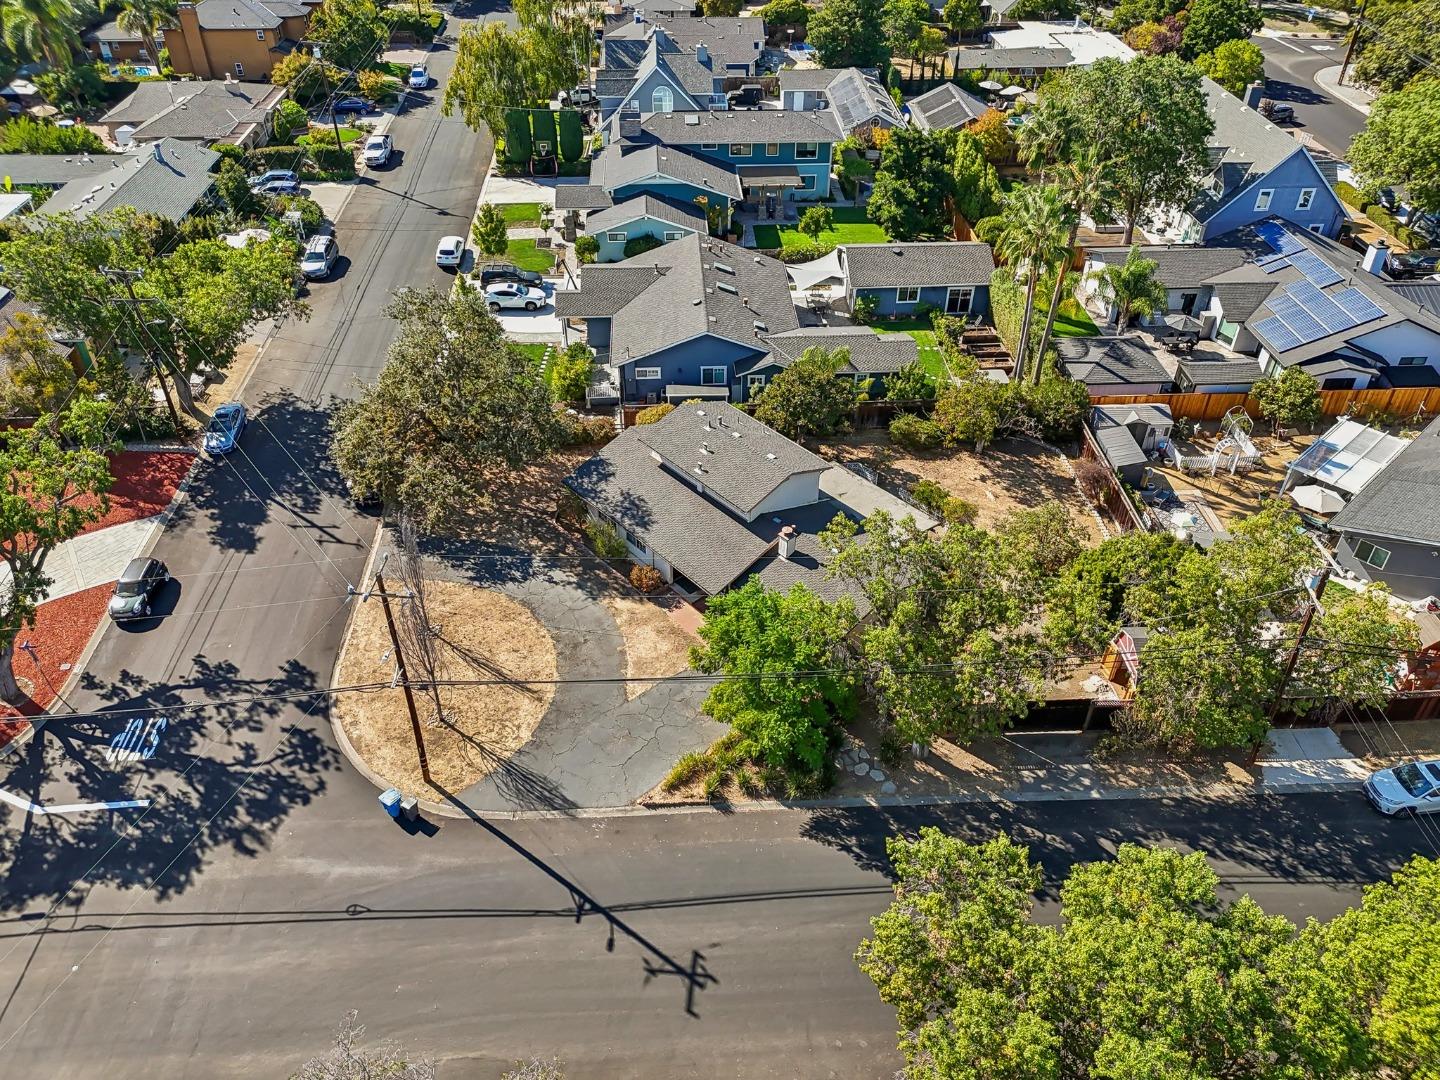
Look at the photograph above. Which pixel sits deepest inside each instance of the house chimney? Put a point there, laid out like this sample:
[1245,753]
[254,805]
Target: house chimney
[159,154]
[1254,92]
[1377,258]
[702,53]
[785,542]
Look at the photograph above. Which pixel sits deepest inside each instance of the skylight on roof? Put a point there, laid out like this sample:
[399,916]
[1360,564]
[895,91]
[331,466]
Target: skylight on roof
[724,268]
[725,286]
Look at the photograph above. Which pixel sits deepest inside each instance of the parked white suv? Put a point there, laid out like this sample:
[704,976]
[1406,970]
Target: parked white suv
[419,77]
[377,149]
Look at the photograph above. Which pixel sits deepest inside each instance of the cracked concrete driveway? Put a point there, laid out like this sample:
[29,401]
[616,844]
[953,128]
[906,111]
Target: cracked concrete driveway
[593,748]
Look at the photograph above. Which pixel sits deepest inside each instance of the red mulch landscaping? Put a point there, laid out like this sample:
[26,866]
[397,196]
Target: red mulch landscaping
[145,481]
[62,629]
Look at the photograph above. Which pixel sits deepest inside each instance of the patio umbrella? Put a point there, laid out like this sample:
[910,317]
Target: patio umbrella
[1183,323]
[43,110]
[1319,500]
[990,84]
[1012,91]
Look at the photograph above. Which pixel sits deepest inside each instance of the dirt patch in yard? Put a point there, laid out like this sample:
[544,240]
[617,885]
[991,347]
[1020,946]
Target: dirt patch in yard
[484,635]
[655,646]
[521,510]
[1238,496]
[1011,475]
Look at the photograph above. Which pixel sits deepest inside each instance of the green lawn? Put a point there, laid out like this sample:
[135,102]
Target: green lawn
[1072,320]
[534,351]
[525,255]
[525,213]
[932,358]
[347,134]
[852,226]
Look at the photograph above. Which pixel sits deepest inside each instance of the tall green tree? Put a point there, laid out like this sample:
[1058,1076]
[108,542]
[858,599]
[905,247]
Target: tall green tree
[491,70]
[455,407]
[1146,973]
[848,33]
[41,29]
[1034,241]
[1400,143]
[1132,288]
[962,16]
[1211,23]
[1087,603]
[1234,64]
[1131,13]
[1353,658]
[914,187]
[143,18]
[977,192]
[350,33]
[1290,399]
[809,397]
[489,230]
[1395,42]
[763,638]
[902,22]
[56,480]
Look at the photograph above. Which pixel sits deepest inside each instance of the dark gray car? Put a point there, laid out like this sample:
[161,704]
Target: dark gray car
[136,589]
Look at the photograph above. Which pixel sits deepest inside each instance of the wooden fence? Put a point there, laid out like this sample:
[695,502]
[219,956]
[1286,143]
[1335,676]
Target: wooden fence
[1116,501]
[1423,401]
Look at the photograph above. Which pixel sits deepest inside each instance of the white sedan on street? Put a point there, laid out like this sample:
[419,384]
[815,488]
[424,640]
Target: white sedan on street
[451,251]
[1412,788]
[511,294]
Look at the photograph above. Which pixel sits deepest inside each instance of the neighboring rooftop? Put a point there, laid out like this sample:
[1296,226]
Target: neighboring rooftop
[1216,369]
[857,98]
[1102,361]
[1348,456]
[167,178]
[871,352]
[1084,43]
[247,14]
[947,106]
[731,42]
[617,166]
[1403,500]
[1178,266]
[650,206]
[1243,147]
[202,109]
[993,59]
[741,126]
[937,262]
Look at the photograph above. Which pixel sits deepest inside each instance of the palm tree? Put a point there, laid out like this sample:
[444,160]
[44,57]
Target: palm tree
[1132,287]
[40,29]
[143,18]
[1084,183]
[1034,238]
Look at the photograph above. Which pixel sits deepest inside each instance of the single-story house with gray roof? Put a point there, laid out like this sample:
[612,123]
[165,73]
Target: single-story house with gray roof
[946,108]
[710,496]
[951,275]
[1110,366]
[169,178]
[200,110]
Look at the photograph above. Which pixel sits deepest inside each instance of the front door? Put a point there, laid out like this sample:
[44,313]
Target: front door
[957,301]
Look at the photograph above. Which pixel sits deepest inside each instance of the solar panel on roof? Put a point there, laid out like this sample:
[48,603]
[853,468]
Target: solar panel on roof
[1277,334]
[1358,306]
[1315,268]
[1271,263]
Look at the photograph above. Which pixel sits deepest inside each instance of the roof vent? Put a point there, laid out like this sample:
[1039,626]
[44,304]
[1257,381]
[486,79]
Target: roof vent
[761,326]
[724,268]
[700,468]
[697,301]
[705,448]
[734,434]
[725,286]
[699,412]
[770,456]
[692,120]
[897,251]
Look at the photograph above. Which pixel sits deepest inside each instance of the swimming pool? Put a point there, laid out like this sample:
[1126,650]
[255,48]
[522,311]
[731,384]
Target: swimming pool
[140,70]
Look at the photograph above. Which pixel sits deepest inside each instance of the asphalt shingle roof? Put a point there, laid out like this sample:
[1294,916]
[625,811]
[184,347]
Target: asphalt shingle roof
[732,42]
[1005,59]
[616,166]
[604,289]
[55,170]
[1202,372]
[193,110]
[871,352]
[1100,361]
[581,197]
[947,106]
[807,78]
[643,206]
[246,14]
[167,178]
[940,262]
[1403,500]
[1178,266]
[1243,146]
[747,126]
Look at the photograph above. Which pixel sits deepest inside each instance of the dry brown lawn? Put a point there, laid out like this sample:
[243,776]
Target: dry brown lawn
[521,510]
[655,646]
[1010,475]
[1234,497]
[484,635]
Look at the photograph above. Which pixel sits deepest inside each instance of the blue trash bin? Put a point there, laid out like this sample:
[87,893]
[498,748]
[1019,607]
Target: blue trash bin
[390,800]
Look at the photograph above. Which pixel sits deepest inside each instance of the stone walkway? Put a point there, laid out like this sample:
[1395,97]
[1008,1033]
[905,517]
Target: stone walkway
[593,748]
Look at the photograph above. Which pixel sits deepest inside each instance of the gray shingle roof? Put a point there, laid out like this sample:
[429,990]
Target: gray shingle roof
[730,41]
[871,352]
[1099,361]
[193,110]
[940,262]
[246,14]
[1105,416]
[1241,299]
[616,166]
[642,206]
[807,78]
[748,126]
[1005,59]
[1215,372]
[947,106]
[581,197]
[1178,266]
[55,170]
[746,460]
[604,290]
[1403,500]
[110,31]
[169,185]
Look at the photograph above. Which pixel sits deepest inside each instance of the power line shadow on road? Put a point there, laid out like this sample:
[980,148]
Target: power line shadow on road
[695,974]
[521,786]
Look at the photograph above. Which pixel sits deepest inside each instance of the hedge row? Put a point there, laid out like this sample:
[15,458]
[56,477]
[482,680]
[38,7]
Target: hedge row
[332,161]
[423,26]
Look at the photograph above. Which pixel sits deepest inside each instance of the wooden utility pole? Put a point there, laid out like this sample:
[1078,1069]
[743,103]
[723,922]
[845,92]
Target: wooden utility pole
[379,590]
[1293,657]
[1356,22]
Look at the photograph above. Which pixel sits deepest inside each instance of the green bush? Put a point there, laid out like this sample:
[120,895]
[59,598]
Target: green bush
[927,493]
[863,310]
[264,158]
[1349,194]
[229,152]
[785,13]
[806,251]
[311,216]
[910,383]
[542,125]
[606,540]
[570,373]
[958,511]
[517,136]
[1059,405]
[334,160]
[1384,219]
[654,413]
[571,135]
[638,245]
[289,118]
[586,248]
[422,25]
[589,430]
[24,135]
[915,433]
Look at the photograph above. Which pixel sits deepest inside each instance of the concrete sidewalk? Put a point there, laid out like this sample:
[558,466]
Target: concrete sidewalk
[1357,97]
[94,558]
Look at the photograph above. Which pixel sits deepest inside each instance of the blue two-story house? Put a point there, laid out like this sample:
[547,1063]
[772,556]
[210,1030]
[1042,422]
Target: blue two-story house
[949,275]
[700,318]
[1260,171]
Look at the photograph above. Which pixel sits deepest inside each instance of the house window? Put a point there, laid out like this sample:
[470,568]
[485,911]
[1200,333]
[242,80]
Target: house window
[1307,196]
[1317,229]
[807,182]
[239,69]
[709,146]
[259,35]
[807,151]
[712,376]
[740,149]
[615,237]
[756,383]
[144,54]
[1371,555]
[1262,200]
[1027,71]
[1412,361]
[634,541]
[772,149]
[957,300]
[673,234]
[662,100]
[647,373]
[907,294]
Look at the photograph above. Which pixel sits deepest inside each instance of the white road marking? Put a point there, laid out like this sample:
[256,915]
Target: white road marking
[70,808]
[1322,48]
[1282,41]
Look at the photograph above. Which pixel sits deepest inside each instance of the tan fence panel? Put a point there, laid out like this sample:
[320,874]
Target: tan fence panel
[1423,401]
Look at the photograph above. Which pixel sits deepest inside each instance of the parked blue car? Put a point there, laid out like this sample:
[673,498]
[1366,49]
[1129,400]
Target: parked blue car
[225,427]
[352,105]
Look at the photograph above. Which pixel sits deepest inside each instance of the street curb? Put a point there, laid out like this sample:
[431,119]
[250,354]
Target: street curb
[157,529]
[1344,93]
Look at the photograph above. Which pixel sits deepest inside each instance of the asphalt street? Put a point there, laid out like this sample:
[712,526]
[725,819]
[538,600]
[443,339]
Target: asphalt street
[659,946]
[1290,67]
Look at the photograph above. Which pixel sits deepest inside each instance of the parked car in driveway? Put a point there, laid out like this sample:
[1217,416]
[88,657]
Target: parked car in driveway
[378,149]
[1413,264]
[511,294]
[226,425]
[1412,788]
[1277,112]
[450,251]
[135,591]
[275,174]
[279,186]
[494,272]
[352,105]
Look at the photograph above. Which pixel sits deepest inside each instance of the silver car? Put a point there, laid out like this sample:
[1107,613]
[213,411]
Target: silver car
[511,294]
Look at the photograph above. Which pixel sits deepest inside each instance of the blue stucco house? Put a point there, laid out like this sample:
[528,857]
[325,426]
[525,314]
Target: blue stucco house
[951,275]
[1260,171]
[700,318]
[642,216]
